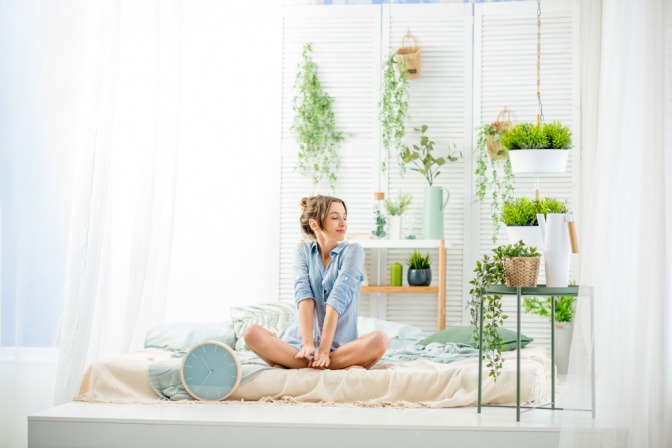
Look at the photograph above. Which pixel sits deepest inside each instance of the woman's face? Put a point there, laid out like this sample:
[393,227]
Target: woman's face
[335,224]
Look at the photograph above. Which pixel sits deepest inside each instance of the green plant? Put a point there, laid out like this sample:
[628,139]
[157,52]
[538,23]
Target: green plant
[421,156]
[379,232]
[314,124]
[564,307]
[418,261]
[398,207]
[490,271]
[543,136]
[523,211]
[393,108]
[492,175]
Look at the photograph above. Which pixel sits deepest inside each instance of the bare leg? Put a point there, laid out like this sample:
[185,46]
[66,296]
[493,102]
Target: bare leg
[364,351]
[271,348]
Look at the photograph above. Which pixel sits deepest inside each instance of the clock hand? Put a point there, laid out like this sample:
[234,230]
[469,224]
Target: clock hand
[206,364]
[204,380]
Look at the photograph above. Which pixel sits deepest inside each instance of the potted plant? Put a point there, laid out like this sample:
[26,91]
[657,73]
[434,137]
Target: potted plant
[393,109]
[396,208]
[521,264]
[541,148]
[425,163]
[314,124]
[520,218]
[564,313]
[493,173]
[419,271]
[490,270]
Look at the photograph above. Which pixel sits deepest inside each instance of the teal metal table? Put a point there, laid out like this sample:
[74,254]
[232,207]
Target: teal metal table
[540,290]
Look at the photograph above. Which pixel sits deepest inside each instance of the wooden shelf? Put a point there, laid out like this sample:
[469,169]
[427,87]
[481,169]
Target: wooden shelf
[400,244]
[420,289]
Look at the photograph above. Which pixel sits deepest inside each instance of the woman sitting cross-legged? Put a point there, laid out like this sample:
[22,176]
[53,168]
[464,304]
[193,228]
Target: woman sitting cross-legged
[328,273]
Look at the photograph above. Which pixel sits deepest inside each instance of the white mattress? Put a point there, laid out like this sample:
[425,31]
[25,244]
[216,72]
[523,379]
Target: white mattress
[414,384]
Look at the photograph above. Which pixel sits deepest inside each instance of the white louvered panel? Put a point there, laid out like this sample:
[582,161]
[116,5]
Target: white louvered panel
[439,98]
[345,42]
[505,64]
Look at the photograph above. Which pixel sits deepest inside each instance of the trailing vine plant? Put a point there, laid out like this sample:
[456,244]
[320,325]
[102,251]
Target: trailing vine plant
[393,108]
[314,124]
[493,176]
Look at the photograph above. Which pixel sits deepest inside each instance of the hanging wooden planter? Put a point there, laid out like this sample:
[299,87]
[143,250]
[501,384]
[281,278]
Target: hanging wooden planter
[495,149]
[411,56]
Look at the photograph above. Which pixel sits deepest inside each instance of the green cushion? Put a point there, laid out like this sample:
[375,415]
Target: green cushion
[464,335]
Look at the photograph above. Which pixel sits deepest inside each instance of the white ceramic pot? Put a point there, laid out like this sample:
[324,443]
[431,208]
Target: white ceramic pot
[531,236]
[563,342]
[556,248]
[538,160]
[395,227]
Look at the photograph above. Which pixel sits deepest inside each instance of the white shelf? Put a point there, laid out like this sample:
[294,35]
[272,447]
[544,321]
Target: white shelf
[399,244]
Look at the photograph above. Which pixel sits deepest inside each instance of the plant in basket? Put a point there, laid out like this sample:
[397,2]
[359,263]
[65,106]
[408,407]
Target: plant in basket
[490,270]
[521,264]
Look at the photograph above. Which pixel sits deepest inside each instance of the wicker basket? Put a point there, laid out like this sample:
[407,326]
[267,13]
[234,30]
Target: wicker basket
[495,149]
[412,56]
[522,271]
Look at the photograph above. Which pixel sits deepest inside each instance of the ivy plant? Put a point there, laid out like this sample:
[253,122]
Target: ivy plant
[314,124]
[422,158]
[393,110]
[490,271]
[493,176]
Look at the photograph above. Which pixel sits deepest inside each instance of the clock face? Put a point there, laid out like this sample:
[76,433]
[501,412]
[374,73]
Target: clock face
[210,371]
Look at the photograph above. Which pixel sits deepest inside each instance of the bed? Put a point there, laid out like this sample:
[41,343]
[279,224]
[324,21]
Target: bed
[410,375]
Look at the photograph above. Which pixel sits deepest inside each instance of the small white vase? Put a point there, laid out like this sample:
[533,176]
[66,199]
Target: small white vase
[530,235]
[395,227]
[538,160]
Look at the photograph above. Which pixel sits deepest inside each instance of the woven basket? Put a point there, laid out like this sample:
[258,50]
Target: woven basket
[522,271]
[495,149]
[412,56]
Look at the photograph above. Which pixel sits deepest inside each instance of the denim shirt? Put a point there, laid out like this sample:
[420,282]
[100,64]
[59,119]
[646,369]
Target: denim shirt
[337,286]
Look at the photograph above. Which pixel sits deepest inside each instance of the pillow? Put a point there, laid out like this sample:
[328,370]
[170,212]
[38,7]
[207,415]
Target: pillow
[393,330]
[272,316]
[464,335]
[181,336]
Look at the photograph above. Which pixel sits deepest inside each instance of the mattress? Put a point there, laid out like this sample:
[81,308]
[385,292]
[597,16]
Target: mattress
[419,383]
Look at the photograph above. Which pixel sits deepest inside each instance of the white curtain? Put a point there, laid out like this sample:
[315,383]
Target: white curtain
[124,194]
[626,227]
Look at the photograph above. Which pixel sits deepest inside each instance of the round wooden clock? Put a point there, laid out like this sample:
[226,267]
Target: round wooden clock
[210,371]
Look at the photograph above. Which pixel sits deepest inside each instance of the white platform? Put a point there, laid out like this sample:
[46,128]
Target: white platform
[258,424]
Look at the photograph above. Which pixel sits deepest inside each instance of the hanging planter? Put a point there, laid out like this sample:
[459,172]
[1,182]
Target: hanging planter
[540,148]
[493,134]
[409,59]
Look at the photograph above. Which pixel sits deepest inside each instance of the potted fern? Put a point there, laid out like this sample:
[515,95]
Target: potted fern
[396,208]
[419,270]
[520,218]
[542,148]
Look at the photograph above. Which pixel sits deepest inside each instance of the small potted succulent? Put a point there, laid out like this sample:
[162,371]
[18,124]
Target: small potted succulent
[538,148]
[395,209]
[419,271]
[520,218]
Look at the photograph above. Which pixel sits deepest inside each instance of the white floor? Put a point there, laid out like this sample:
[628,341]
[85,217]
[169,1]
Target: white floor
[259,424]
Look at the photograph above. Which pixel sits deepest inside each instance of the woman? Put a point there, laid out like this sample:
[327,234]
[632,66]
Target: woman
[327,277]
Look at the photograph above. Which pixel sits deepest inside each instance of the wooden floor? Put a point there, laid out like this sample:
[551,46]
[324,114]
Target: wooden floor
[279,425]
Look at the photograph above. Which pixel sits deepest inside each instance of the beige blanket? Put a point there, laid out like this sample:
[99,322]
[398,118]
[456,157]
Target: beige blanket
[413,384]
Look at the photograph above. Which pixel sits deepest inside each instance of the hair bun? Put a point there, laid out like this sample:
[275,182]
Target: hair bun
[304,204]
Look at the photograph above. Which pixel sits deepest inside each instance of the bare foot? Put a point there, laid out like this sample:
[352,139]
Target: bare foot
[354,367]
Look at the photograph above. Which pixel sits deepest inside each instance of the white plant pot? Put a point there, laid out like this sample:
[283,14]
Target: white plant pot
[395,227]
[538,160]
[563,342]
[530,235]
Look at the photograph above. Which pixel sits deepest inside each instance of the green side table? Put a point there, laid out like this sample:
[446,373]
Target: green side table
[540,290]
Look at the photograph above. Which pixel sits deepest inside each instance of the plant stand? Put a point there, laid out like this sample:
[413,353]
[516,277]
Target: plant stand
[540,290]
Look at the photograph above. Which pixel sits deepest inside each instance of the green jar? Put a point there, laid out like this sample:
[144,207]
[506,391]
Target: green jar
[396,274]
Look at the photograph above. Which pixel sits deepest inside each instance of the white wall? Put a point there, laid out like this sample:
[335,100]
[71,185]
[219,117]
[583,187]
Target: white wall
[225,249]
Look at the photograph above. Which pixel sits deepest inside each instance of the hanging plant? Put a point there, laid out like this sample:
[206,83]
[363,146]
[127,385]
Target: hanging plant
[493,176]
[314,125]
[393,111]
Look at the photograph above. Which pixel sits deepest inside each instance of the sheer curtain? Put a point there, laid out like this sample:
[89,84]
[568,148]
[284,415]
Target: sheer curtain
[625,226]
[124,194]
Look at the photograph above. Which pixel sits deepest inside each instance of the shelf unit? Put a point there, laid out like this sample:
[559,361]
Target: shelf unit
[439,290]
